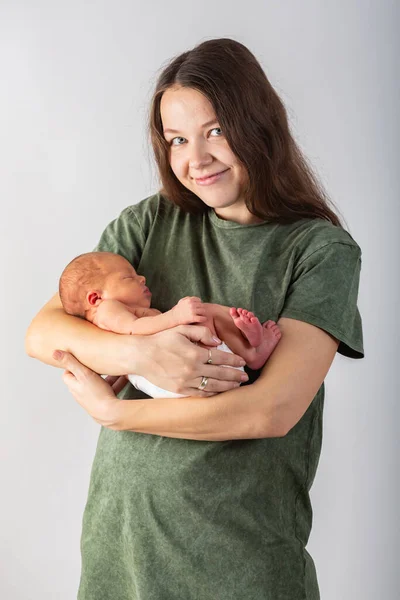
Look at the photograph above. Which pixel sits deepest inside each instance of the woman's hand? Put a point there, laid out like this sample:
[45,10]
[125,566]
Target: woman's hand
[117,382]
[90,390]
[171,361]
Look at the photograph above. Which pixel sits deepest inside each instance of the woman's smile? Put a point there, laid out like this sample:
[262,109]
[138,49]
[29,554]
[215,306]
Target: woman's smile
[208,180]
[203,158]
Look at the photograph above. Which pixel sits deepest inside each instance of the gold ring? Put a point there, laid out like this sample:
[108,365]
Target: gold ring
[203,383]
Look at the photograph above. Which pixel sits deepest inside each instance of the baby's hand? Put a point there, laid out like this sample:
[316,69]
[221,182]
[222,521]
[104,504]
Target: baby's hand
[189,310]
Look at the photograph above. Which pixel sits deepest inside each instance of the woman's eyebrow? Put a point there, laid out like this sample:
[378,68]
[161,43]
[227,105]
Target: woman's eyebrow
[202,126]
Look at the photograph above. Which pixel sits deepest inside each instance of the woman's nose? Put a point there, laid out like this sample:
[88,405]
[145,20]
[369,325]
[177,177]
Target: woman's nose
[199,156]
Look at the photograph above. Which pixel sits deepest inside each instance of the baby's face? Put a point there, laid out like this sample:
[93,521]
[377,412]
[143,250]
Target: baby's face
[125,285]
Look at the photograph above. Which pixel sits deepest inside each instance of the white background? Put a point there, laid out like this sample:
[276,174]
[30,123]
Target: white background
[76,79]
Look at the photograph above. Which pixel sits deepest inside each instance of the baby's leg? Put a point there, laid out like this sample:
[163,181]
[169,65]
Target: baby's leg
[263,338]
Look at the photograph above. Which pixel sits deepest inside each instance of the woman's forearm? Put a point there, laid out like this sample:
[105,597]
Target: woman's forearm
[235,414]
[102,351]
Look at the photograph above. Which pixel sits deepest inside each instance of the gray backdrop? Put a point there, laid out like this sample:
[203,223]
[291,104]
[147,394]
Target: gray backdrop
[76,79]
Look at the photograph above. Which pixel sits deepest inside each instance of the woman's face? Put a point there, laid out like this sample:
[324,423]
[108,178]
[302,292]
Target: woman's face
[199,149]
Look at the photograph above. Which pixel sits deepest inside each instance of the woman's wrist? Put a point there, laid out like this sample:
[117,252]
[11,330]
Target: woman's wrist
[129,352]
[53,329]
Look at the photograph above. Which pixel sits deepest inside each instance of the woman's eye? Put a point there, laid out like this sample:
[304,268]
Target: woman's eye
[178,141]
[173,140]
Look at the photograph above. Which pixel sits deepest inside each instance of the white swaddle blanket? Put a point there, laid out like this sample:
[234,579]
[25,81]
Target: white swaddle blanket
[154,391]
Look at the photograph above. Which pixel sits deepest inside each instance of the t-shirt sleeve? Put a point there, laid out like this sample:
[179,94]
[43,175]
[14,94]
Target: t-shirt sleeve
[323,291]
[124,236]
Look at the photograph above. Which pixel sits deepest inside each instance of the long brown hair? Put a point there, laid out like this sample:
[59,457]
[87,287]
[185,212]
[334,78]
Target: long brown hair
[282,186]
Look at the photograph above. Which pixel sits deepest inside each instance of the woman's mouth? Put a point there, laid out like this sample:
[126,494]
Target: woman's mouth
[211,178]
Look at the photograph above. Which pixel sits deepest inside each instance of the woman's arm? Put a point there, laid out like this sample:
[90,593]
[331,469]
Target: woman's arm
[270,407]
[53,328]
[168,359]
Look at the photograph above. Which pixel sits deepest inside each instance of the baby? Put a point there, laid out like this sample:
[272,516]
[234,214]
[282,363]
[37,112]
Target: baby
[105,289]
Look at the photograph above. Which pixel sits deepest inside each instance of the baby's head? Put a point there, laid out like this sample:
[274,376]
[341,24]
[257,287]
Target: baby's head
[95,276]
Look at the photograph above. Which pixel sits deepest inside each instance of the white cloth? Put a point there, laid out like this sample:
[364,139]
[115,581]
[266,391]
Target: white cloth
[154,391]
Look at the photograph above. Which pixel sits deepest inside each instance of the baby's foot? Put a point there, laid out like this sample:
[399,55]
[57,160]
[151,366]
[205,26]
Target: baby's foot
[271,337]
[249,325]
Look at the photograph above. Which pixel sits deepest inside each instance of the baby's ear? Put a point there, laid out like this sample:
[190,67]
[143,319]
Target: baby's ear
[93,298]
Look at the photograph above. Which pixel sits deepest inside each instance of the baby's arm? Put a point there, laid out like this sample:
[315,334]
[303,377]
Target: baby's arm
[117,317]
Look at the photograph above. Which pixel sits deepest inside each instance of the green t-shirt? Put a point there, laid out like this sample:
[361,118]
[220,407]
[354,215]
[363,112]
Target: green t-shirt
[174,519]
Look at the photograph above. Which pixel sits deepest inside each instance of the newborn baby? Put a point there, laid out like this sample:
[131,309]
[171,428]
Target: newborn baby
[105,289]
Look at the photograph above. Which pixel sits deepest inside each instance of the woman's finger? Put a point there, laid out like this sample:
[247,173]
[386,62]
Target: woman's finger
[213,387]
[111,379]
[222,373]
[220,357]
[70,363]
[70,381]
[117,382]
[198,333]
[202,335]
[119,385]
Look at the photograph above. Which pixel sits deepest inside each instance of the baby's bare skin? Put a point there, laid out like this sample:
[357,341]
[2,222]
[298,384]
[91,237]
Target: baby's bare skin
[120,317]
[243,333]
[120,302]
[238,328]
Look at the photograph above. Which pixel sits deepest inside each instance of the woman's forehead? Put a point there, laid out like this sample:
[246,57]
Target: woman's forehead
[181,107]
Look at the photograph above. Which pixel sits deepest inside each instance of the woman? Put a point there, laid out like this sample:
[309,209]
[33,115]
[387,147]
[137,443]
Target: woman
[214,503]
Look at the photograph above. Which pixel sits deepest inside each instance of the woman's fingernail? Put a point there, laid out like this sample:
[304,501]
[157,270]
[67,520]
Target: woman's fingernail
[242,363]
[57,354]
[244,378]
[217,340]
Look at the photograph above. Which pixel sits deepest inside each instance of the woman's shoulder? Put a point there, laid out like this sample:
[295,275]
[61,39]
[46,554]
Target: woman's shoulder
[310,235]
[127,234]
[150,208]
[142,217]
